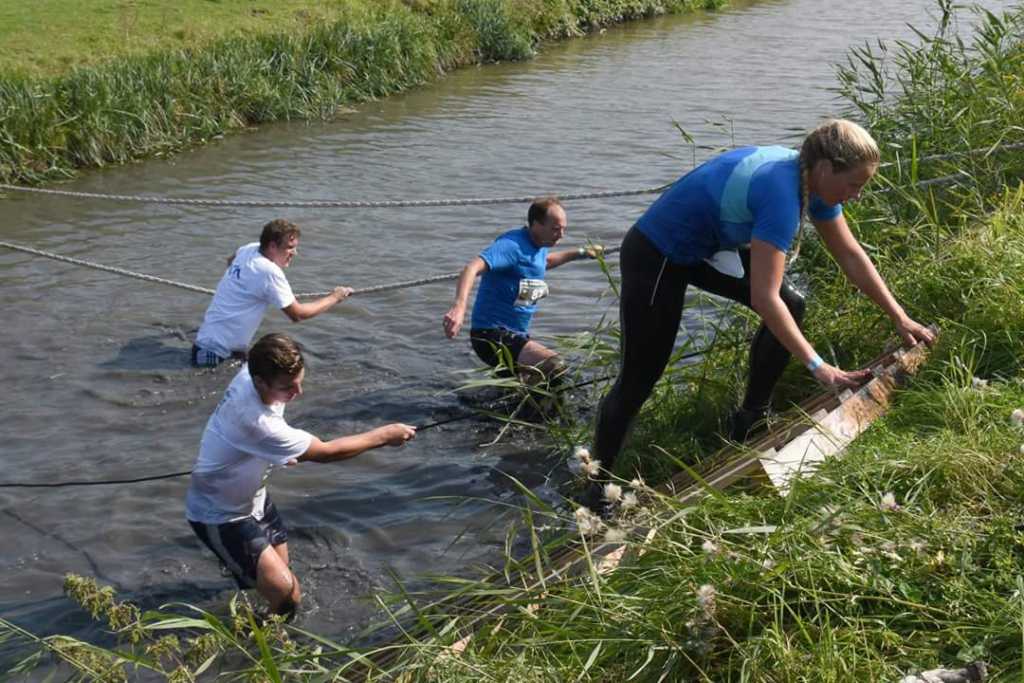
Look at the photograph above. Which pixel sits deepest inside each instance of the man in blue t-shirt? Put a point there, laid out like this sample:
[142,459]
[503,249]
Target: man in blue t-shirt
[513,270]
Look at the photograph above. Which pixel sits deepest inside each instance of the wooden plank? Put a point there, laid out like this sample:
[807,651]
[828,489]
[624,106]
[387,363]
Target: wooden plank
[728,464]
[830,433]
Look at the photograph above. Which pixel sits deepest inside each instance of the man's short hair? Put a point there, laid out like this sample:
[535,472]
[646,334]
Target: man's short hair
[278,231]
[539,209]
[275,355]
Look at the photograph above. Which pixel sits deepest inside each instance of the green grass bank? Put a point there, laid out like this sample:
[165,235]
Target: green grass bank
[85,83]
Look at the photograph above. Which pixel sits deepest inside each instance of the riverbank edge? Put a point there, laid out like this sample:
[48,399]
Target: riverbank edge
[133,108]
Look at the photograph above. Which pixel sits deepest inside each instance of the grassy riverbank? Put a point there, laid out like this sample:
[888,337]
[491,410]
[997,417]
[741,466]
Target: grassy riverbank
[92,82]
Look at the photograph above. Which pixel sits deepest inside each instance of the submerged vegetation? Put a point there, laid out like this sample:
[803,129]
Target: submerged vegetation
[229,70]
[904,555]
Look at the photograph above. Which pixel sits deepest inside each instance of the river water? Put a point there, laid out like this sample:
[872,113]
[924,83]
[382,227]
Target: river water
[95,370]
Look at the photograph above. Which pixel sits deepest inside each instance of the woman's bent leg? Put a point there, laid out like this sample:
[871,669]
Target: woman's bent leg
[768,357]
[650,308]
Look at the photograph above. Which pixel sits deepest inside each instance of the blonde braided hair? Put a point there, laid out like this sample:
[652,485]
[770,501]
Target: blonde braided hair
[845,145]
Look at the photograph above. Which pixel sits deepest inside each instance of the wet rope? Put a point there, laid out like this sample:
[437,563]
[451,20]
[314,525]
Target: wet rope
[336,203]
[399,203]
[421,428]
[405,284]
[100,482]
[109,269]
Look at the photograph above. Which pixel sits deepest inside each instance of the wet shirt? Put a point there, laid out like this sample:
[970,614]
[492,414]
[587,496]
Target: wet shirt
[750,192]
[243,438]
[250,284]
[512,284]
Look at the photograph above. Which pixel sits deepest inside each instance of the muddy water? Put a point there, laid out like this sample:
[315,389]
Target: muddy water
[96,383]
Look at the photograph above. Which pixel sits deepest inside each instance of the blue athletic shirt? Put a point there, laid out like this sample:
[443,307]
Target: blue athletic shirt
[723,203]
[513,283]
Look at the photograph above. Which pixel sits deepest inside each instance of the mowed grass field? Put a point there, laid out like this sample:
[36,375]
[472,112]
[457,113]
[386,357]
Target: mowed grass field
[50,37]
[85,83]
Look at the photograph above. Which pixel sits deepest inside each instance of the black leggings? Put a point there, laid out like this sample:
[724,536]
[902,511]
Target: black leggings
[650,308]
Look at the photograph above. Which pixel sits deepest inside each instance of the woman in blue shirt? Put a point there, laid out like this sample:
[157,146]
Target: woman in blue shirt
[726,227]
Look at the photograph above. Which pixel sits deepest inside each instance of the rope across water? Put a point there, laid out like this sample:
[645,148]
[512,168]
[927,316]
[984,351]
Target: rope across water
[334,203]
[375,289]
[398,203]
[405,284]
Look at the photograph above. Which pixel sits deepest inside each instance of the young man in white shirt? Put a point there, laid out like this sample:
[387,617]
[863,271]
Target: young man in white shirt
[227,503]
[253,281]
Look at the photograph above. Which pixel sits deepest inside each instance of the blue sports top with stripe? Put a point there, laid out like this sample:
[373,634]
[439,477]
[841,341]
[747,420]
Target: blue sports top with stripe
[750,192]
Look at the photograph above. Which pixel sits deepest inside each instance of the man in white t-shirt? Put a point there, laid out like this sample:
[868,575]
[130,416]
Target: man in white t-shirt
[253,281]
[227,503]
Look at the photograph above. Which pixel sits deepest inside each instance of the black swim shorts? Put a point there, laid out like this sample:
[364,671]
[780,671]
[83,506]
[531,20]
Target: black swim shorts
[488,344]
[239,544]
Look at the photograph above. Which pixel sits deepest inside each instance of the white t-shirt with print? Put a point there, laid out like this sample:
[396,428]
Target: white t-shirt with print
[243,438]
[250,284]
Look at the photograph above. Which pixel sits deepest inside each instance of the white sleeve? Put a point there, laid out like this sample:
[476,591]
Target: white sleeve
[280,442]
[279,292]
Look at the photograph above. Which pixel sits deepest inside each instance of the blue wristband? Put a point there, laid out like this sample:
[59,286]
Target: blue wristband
[815,362]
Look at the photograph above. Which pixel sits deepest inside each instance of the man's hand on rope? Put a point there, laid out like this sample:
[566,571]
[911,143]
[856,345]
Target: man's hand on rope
[591,251]
[341,293]
[396,434]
